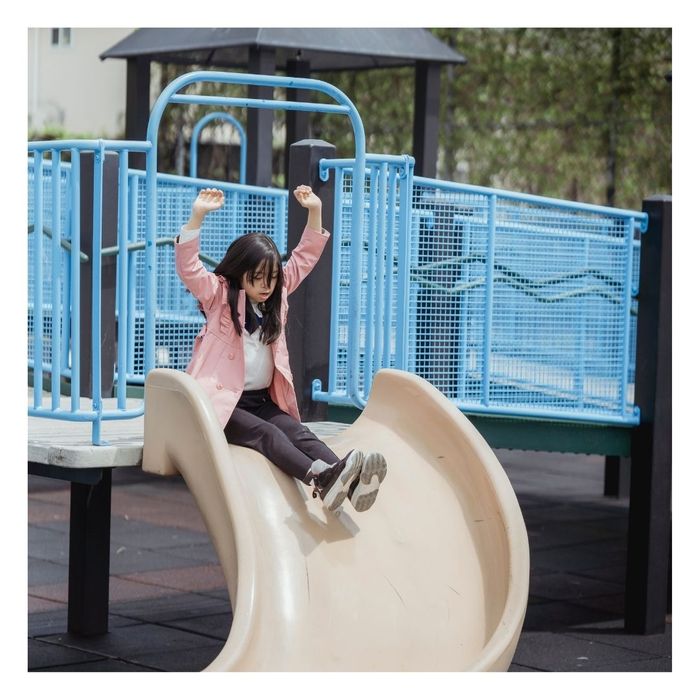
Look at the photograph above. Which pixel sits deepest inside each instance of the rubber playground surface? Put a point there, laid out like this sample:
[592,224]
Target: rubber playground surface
[170,611]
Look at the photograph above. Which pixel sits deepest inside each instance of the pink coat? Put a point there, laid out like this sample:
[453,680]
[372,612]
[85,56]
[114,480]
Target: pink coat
[218,362]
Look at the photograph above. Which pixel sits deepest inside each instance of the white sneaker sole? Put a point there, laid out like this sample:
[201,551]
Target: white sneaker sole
[337,493]
[372,474]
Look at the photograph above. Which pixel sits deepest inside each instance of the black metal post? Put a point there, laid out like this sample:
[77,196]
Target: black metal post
[110,188]
[426,119]
[308,326]
[88,566]
[138,105]
[617,476]
[648,549]
[259,125]
[297,122]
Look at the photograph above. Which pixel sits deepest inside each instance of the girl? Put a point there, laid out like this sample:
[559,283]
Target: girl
[240,355]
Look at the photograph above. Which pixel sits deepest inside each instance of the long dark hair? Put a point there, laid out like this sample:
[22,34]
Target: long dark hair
[243,257]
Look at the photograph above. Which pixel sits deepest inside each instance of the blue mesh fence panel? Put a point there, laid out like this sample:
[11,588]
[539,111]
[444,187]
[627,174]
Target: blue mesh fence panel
[178,319]
[48,273]
[247,209]
[513,303]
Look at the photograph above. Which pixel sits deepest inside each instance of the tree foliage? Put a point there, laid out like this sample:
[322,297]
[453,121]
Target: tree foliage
[582,114]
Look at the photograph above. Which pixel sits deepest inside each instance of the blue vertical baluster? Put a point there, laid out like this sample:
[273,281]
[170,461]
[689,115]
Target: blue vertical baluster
[97,293]
[65,261]
[335,279]
[370,284]
[131,293]
[75,280]
[404,252]
[379,319]
[582,315]
[122,276]
[389,321]
[626,313]
[488,302]
[56,277]
[38,276]
[463,349]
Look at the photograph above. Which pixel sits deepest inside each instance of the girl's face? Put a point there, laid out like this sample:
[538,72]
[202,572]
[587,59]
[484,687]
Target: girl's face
[259,290]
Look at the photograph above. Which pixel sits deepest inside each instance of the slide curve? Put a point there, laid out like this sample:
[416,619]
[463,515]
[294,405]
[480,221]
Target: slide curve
[433,577]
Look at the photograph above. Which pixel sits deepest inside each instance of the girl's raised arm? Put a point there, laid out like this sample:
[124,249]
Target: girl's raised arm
[202,283]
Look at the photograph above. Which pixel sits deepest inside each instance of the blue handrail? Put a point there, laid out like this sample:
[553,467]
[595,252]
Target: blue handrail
[224,116]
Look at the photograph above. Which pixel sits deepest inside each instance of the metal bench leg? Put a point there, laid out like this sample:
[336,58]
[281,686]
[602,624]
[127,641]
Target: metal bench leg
[88,567]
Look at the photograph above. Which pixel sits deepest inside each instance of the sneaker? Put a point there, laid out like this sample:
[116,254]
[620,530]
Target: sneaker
[363,492]
[333,484]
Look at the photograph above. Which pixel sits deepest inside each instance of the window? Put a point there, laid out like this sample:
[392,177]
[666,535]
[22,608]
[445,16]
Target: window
[60,37]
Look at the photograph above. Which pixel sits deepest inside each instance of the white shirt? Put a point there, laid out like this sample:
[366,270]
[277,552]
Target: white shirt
[259,365]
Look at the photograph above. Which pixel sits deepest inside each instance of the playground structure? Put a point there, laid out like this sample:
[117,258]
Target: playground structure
[509,305]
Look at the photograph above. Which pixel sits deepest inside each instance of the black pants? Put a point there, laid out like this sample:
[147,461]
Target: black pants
[259,423]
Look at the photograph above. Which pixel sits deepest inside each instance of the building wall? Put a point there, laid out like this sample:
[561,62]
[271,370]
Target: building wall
[71,88]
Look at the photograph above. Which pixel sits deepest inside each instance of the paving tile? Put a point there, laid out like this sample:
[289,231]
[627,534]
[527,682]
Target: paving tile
[52,536]
[55,621]
[656,665]
[55,592]
[172,607]
[103,665]
[615,573]
[613,604]
[204,553]
[39,511]
[517,668]
[43,654]
[131,505]
[548,651]
[217,626]
[133,642]
[193,578]
[568,586]
[561,615]
[614,634]
[567,512]
[121,589]
[40,605]
[148,536]
[580,558]
[43,572]
[127,558]
[188,660]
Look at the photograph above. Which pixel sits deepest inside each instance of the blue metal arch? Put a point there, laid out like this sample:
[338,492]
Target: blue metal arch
[343,106]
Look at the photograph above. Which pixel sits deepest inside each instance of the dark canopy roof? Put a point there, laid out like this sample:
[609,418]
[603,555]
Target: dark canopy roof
[324,49]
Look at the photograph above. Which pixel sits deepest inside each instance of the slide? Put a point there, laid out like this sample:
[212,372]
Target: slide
[434,577]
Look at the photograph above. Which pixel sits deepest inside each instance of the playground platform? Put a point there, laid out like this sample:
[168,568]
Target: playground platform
[169,607]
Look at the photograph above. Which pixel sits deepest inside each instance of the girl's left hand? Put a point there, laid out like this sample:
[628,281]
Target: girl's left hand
[306,197]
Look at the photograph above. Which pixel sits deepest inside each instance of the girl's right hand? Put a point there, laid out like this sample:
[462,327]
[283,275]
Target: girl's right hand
[208,200]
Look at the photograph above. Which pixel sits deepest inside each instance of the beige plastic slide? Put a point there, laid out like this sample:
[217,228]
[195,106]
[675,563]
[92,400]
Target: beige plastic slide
[433,577]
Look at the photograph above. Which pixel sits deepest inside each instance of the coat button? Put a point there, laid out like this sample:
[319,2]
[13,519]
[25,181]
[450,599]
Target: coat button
[219,386]
[231,356]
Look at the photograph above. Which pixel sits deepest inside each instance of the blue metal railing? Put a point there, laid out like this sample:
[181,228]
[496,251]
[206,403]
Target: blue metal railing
[64,278]
[223,116]
[510,304]
[63,275]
